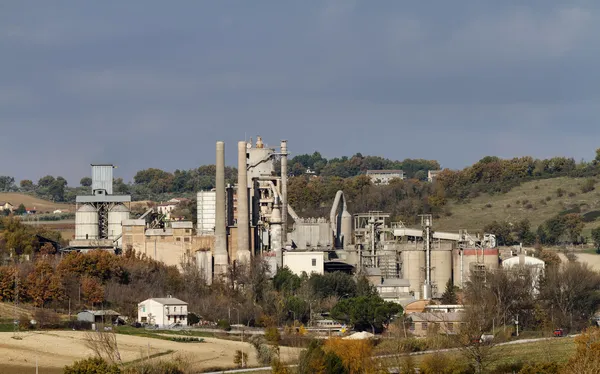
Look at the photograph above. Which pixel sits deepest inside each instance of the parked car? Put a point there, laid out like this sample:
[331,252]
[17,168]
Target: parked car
[559,333]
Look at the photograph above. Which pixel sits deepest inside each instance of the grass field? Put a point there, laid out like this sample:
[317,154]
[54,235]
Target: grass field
[514,205]
[29,201]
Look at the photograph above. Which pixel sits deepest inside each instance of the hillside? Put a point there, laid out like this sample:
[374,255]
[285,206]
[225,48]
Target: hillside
[29,201]
[536,200]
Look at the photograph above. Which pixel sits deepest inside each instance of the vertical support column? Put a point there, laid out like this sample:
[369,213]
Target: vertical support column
[243,214]
[221,256]
[284,199]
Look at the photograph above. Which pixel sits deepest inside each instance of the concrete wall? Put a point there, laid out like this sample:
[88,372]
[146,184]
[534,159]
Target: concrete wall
[305,261]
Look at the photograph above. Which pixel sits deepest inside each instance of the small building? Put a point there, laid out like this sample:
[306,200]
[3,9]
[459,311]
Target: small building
[427,323]
[98,316]
[394,289]
[432,174]
[304,261]
[31,210]
[5,205]
[383,177]
[163,311]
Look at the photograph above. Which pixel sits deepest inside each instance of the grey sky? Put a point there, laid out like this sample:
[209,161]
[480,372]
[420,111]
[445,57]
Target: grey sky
[156,83]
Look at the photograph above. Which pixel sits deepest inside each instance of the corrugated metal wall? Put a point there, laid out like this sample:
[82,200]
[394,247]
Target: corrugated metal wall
[102,178]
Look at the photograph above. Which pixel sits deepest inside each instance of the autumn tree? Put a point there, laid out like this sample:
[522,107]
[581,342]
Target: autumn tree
[92,290]
[18,237]
[44,284]
[587,355]
[7,282]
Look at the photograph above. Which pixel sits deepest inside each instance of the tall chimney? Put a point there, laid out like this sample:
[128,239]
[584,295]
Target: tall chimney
[221,256]
[243,214]
[284,200]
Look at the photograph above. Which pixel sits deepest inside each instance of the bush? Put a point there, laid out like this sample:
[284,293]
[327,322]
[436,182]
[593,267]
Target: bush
[541,367]
[572,194]
[560,192]
[224,324]
[240,359]
[548,198]
[588,185]
[590,216]
[94,365]
[536,187]
[528,206]
[509,367]
[186,339]
[488,205]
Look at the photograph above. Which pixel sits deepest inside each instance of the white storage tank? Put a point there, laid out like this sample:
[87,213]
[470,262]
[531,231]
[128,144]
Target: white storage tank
[116,216]
[86,223]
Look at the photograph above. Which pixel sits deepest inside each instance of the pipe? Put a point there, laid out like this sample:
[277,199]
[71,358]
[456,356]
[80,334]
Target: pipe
[243,215]
[220,254]
[284,201]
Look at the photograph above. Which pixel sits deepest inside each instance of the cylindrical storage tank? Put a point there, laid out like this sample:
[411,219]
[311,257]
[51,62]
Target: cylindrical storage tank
[86,223]
[116,216]
[413,264]
[346,229]
[441,271]
[491,258]
[275,235]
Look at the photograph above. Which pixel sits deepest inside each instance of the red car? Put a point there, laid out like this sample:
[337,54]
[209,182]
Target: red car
[559,333]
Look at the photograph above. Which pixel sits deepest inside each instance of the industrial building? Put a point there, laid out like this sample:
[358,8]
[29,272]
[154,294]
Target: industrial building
[99,216]
[253,218]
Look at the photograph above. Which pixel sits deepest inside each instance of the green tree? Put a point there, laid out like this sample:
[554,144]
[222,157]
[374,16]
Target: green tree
[449,296]
[286,281]
[86,182]
[6,183]
[365,312]
[21,210]
[596,237]
[27,185]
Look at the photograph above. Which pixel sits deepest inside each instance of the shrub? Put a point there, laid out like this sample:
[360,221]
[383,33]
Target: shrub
[488,205]
[223,324]
[94,365]
[186,339]
[541,367]
[240,359]
[528,206]
[518,202]
[524,201]
[536,187]
[588,185]
[508,205]
[548,198]
[560,192]
[572,194]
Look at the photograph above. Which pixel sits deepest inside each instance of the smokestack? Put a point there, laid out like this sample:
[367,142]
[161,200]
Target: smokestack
[221,256]
[243,215]
[284,200]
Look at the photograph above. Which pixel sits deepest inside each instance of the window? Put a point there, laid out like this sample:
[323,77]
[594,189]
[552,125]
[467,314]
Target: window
[186,239]
[187,231]
[178,239]
[314,262]
[143,309]
[423,325]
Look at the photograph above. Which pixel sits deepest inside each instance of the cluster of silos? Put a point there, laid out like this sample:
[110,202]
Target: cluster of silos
[468,259]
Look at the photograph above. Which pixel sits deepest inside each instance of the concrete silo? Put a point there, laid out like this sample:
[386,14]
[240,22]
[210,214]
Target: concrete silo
[86,223]
[116,215]
[441,270]
[413,269]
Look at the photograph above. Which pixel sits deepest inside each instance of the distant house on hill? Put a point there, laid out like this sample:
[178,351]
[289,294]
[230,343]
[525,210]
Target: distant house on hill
[167,207]
[383,177]
[432,175]
[5,205]
[31,210]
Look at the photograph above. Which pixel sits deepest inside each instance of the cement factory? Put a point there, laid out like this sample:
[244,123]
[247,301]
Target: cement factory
[253,218]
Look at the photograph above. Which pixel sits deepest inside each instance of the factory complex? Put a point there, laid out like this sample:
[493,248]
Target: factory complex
[253,218]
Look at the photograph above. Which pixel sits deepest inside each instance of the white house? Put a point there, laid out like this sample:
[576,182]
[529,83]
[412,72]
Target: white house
[383,177]
[304,261]
[163,311]
[5,205]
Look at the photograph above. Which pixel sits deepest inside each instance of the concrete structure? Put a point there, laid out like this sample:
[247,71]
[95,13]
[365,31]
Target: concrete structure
[172,245]
[284,199]
[394,289]
[383,177]
[533,264]
[163,312]
[221,257]
[107,317]
[432,174]
[304,261]
[428,323]
[206,212]
[99,215]
[243,219]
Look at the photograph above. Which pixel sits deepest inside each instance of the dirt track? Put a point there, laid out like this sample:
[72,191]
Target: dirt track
[55,349]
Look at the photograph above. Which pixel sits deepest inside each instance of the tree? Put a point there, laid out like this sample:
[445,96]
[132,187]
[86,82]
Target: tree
[365,312]
[86,182]
[44,284]
[92,290]
[20,210]
[449,295]
[18,237]
[596,237]
[27,185]
[6,183]
[587,355]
